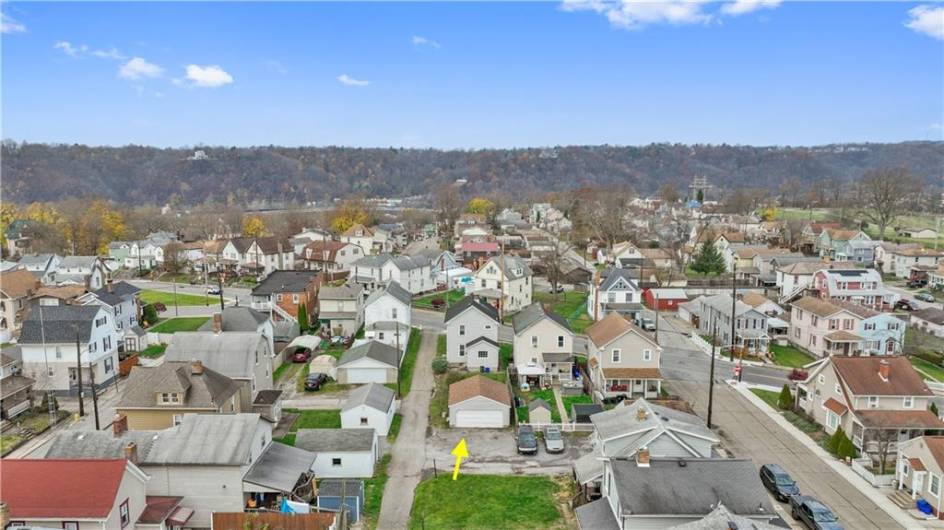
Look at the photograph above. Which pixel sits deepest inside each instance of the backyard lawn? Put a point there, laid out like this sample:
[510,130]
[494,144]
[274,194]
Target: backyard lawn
[173,325]
[153,351]
[311,419]
[571,305]
[487,502]
[373,493]
[149,296]
[570,401]
[789,356]
[506,355]
[439,405]
[450,297]
[932,371]
[769,396]
[546,395]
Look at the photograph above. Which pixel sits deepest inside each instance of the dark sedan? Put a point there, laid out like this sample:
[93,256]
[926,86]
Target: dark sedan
[813,514]
[778,482]
[527,441]
[314,381]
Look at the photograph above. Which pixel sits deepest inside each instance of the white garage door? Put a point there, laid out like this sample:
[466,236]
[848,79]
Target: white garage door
[479,418]
[366,375]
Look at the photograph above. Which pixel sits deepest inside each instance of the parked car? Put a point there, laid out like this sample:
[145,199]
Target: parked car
[314,381]
[917,284]
[906,305]
[301,356]
[560,289]
[924,297]
[214,290]
[614,400]
[813,514]
[527,441]
[778,482]
[553,440]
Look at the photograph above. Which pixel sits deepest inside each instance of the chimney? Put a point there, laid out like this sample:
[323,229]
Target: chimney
[884,369]
[642,457]
[131,452]
[110,286]
[217,322]
[119,425]
[196,367]
[641,413]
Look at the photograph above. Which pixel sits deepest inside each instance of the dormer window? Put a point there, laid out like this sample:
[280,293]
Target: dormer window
[169,398]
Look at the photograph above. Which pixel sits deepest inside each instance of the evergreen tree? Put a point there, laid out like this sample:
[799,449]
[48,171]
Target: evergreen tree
[785,402]
[709,259]
[834,441]
[302,318]
[700,196]
[933,409]
[846,449]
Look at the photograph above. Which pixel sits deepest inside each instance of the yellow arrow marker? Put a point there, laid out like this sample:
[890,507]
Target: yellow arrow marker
[460,451]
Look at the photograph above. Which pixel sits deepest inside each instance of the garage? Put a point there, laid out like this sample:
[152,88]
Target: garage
[489,419]
[366,375]
[371,362]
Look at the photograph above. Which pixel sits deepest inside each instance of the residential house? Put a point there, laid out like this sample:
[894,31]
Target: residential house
[340,309]
[543,346]
[107,494]
[56,296]
[52,338]
[920,469]
[157,397]
[16,286]
[121,300]
[182,256]
[307,235]
[266,255]
[917,233]
[833,241]
[332,257]
[625,254]
[81,270]
[44,266]
[118,251]
[762,303]
[505,279]
[241,318]
[387,316]
[929,320]
[793,278]
[371,362]
[859,286]
[479,402]
[915,258]
[283,293]
[340,453]
[361,236]
[614,290]
[884,254]
[858,251]
[825,327]
[878,401]
[413,273]
[469,221]
[628,428]
[19,236]
[811,236]
[657,258]
[623,360]
[370,406]
[750,325]
[474,253]
[16,390]
[243,356]
[472,334]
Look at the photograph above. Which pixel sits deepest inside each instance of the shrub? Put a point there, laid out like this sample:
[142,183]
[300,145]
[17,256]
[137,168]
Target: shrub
[846,449]
[149,314]
[302,318]
[933,358]
[440,365]
[834,440]
[933,408]
[785,402]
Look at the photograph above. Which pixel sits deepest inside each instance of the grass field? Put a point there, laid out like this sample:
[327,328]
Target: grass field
[373,493]
[769,396]
[570,401]
[153,351]
[546,395]
[441,346]
[789,356]
[149,296]
[450,297]
[394,428]
[476,502]
[506,355]
[936,373]
[173,325]
[409,361]
[571,305]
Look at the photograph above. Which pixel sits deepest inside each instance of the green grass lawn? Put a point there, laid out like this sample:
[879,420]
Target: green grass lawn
[571,305]
[173,325]
[394,427]
[506,355]
[936,373]
[153,351]
[9,441]
[799,421]
[426,301]
[316,419]
[769,396]
[336,350]
[149,296]
[570,401]
[546,395]
[286,370]
[300,382]
[486,502]
[373,493]
[441,346]
[789,356]
[409,361]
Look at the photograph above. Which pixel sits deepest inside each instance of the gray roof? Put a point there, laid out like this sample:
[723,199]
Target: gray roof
[231,353]
[538,403]
[59,324]
[513,266]
[373,395]
[722,304]
[404,263]
[73,262]
[120,291]
[596,515]
[393,288]
[930,314]
[623,420]
[99,444]
[337,487]
[374,350]
[614,274]
[343,292]
[279,467]
[208,390]
[284,282]
[239,318]
[470,301]
[690,487]
[484,339]
[335,440]
[206,439]
[35,260]
[722,518]
[533,313]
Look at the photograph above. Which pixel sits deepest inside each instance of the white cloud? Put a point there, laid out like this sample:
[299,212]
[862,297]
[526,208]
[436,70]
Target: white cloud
[345,79]
[423,41]
[928,20]
[631,14]
[108,54]
[69,49]
[9,25]
[210,76]
[742,7]
[138,68]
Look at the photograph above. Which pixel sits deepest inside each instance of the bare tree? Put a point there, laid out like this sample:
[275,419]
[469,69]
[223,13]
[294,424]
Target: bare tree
[175,257]
[554,262]
[448,204]
[669,193]
[884,195]
[600,211]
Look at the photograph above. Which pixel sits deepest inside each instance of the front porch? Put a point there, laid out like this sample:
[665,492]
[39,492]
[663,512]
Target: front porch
[630,382]
[754,342]
[843,343]
[550,373]
[878,433]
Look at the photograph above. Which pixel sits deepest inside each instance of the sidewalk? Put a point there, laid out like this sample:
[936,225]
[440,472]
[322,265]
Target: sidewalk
[874,494]
[565,416]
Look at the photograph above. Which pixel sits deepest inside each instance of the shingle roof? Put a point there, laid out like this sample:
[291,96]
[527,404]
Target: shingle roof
[284,282]
[514,266]
[59,324]
[470,301]
[373,395]
[861,375]
[120,289]
[342,292]
[239,318]
[611,327]
[532,314]
[77,262]
[538,403]
[334,440]
[899,419]
[817,306]
[201,391]
[931,314]
[393,288]
[231,353]
[99,444]
[478,385]
[17,283]
[375,350]
[625,419]
[61,489]
[612,275]
[206,439]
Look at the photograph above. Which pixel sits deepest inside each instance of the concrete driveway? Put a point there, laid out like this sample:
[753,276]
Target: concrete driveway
[494,451]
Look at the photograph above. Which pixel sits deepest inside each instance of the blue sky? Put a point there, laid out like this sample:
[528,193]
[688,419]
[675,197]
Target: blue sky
[461,75]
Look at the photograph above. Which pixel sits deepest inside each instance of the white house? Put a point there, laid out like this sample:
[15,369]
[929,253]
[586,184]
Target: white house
[478,401]
[44,266]
[470,321]
[340,453]
[930,320]
[413,273]
[387,316]
[544,346]
[48,343]
[81,270]
[340,309]
[369,406]
[361,236]
[504,278]
[614,290]
[121,300]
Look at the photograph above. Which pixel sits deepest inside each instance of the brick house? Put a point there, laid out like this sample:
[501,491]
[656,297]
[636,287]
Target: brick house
[283,292]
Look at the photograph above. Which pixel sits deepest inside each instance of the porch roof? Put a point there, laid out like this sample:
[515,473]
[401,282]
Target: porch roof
[632,373]
[899,419]
[843,336]
[752,334]
[916,464]
[531,369]
[835,406]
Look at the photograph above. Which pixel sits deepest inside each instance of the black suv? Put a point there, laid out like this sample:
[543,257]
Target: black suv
[778,482]
[812,513]
[527,441]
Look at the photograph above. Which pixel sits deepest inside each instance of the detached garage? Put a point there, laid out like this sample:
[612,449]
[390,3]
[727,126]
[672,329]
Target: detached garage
[372,362]
[479,402]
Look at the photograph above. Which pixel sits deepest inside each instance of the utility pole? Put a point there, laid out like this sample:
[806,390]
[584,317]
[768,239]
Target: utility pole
[98,426]
[219,283]
[176,312]
[501,283]
[734,302]
[711,381]
[78,370]
[399,358]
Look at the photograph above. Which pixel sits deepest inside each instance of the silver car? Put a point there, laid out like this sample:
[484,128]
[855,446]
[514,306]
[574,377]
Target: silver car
[553,440]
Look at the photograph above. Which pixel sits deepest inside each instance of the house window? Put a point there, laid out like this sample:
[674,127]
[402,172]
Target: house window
[109,365]
[461,350]
[58,352]
[167,397]
[483,354]
[178,419]
[534,341]
[124,514]
[393,313]
[796,332]
[462,330]
[832,420]
[70,525]
[837,389]
[821,379]
[363,420]
[934,486]
[647,355]
[294,298]
[380,335]
[560,341]
[907,402]
[617,353]
[278,297]
[873,402]
[336,462]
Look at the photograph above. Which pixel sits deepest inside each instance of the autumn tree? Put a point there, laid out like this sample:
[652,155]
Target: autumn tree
[884,195]
[480,205]
[88,228]
[254,226]
[349,213]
